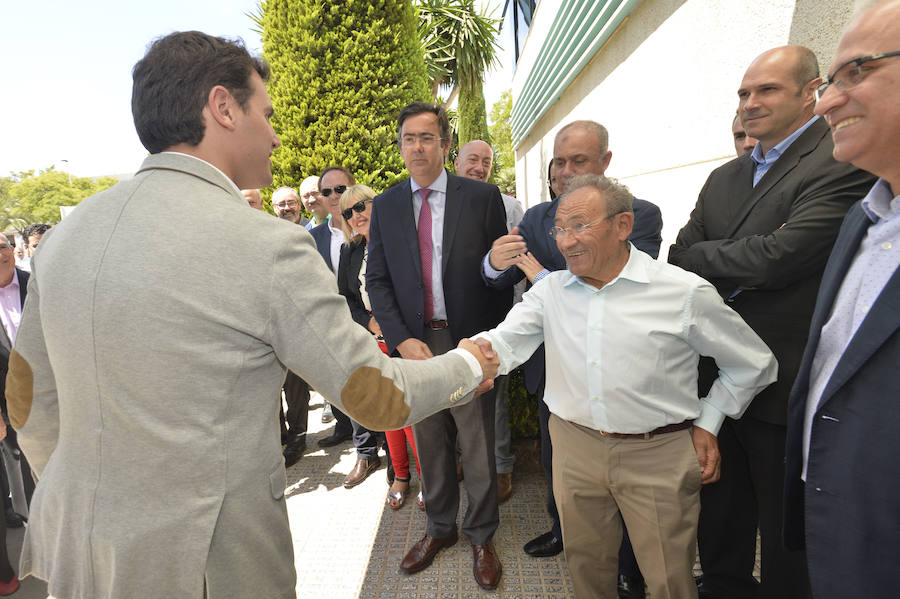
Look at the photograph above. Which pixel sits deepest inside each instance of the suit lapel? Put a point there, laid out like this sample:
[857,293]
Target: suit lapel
[452,214]
[880,323]
[788,161]
[407,218]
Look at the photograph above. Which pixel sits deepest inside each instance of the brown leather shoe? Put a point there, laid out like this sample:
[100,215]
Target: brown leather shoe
[361,471]
[423,553]
[486,566]
[504,486]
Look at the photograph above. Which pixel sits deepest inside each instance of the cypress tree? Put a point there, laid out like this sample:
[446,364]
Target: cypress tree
[472,115]
[341,72]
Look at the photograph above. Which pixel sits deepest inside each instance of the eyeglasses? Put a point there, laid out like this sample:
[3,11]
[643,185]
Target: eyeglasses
[286,204]
[576,229]
[850,73]
[427,139]
[338,189]
[359,207]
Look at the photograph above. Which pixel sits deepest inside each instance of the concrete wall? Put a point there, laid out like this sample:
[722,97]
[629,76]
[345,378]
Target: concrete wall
[665,86]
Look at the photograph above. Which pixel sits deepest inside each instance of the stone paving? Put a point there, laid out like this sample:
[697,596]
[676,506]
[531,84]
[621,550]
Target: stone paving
[348,543]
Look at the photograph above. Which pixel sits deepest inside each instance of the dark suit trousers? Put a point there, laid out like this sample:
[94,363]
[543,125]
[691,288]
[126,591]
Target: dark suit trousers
[296,396]
[628,565]
[436,436]
[748,494]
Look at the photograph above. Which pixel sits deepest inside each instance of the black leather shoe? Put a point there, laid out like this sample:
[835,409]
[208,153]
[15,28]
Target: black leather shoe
[546,545]
[14,519]
[293,451]
[335,438]
[631,588]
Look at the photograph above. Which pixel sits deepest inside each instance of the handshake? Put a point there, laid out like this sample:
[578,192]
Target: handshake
[415,349]
[487,357]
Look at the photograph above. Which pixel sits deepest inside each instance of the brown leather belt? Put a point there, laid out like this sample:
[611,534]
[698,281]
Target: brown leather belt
[669,428]
[437,324]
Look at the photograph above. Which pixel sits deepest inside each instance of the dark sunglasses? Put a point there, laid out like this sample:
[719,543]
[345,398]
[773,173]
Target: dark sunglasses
[359,207]
[338,189]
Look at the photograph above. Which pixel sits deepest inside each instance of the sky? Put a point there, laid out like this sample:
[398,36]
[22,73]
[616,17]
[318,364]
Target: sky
[65,99]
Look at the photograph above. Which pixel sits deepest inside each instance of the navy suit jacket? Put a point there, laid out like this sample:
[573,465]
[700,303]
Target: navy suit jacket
[538,220]
[850,504]
[474,217]
[322,235]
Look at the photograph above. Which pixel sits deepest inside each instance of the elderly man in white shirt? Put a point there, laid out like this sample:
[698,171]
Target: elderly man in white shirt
[623,335]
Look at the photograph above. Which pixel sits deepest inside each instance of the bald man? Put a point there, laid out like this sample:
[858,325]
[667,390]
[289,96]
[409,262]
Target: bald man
[761,232]
[254,199]
[476,161]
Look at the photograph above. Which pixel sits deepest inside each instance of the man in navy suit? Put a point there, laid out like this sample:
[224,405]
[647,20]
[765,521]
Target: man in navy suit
[842,474]
[581,147]
[426,240]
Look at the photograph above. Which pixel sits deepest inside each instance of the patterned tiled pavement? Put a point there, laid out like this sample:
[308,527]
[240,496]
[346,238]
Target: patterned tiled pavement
[348,543]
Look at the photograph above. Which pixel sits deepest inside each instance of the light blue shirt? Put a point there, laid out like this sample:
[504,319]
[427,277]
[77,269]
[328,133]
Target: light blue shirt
[437,201]
[623,358]
[874,264]
[764,163]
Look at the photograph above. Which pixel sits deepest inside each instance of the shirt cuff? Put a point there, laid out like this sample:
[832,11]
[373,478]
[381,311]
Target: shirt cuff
[710,418]
[489,271]
[540,276]
[472,361]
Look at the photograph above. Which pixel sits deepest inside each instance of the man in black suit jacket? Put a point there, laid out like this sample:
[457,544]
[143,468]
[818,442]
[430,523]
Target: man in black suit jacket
[448,225]
[581,147]
[9,275]
[761,232]
[844,410]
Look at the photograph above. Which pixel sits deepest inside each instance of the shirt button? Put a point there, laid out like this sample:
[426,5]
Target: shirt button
[596,399]
[887,245]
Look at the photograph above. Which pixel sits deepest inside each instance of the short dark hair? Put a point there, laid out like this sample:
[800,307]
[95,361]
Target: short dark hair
[336,168]
[172,83]
[421,108]
[35,229]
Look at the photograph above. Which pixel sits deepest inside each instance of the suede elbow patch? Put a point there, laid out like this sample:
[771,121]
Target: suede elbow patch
[374,400]
[19,390]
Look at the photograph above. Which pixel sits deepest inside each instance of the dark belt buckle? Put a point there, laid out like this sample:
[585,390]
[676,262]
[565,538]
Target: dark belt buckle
[437,325]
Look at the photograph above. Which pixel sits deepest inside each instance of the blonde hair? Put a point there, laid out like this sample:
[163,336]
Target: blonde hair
[353,195]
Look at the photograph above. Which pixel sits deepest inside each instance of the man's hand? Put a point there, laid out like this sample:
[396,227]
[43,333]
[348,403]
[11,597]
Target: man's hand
[707,447]
[373,327]
[3,424]
[413,349]
[505,249]
[486,356]
[529,265]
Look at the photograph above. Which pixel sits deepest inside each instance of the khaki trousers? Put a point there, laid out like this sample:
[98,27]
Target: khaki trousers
[653,484]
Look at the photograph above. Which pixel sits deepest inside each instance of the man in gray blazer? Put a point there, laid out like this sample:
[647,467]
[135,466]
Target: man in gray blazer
[144,386]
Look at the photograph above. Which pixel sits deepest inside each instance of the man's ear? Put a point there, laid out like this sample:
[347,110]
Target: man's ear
[624,224]
[809,92]
[605,160]
[222,107]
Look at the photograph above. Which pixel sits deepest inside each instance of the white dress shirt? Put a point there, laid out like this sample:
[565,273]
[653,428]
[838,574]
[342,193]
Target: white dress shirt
[437,201]
[624,358]
[337,240]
